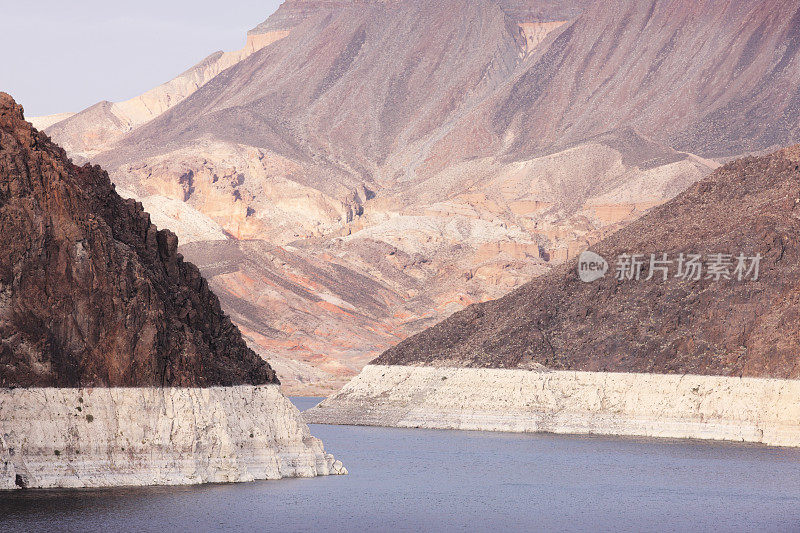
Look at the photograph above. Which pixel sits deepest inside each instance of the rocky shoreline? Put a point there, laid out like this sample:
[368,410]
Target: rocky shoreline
[101,437]
[755,410]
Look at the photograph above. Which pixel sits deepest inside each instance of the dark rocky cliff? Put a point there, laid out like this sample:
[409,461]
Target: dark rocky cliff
[707,326]
[91,293]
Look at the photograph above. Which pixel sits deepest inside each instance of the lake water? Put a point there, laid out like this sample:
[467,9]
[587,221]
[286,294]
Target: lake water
[410,479]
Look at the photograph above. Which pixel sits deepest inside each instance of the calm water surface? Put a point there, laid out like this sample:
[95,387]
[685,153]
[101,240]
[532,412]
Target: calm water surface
[407,479]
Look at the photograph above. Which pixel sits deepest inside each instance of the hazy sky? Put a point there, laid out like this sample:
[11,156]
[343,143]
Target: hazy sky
[65,55]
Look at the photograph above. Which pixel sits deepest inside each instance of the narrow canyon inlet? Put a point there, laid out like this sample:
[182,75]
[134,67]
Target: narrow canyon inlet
[400,265]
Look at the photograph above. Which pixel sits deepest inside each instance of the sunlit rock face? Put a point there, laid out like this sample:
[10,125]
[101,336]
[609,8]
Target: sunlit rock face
[442,153]
[92,293]
[117,364]
[101,437]
[758,410]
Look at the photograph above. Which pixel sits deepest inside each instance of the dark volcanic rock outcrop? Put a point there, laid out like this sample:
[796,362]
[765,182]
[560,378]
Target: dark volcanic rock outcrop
[726,327]
[91,293]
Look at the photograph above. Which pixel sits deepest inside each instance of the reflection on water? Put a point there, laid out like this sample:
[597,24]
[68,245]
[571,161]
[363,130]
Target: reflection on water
[406,479]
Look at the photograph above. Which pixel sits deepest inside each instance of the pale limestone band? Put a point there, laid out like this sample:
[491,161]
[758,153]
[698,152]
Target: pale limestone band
[651,405]
[99,437]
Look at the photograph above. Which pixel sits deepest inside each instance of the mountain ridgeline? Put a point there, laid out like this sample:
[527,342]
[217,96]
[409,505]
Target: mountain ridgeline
[369,167]
[727,326]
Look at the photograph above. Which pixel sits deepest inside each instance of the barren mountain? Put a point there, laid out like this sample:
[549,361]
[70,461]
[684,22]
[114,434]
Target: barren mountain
[98,127]
[437,154]
[91,293]
[718,324]
[713,78]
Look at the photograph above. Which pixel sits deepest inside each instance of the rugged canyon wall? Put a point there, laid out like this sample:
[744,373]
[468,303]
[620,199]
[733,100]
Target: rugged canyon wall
[726,324]
[438,154]
[659,349]
[93,294]
[117,364]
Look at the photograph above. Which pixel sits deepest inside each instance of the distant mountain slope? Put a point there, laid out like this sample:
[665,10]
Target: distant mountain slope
[352,86]
[447,151]
[99,126]
[727,326]
[91,293]
[292,13]
[391,94]
[717,79]
[43,122]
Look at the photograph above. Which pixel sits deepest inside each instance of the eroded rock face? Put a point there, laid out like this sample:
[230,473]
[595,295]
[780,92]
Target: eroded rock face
[707,326]
[596,403]
[496,138]
[101,437]
[91,293]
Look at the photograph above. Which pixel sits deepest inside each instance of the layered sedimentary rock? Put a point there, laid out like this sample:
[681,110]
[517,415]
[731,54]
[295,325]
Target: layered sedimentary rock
[422,146]
[93,296]
[758,410]
[188,224]
[95,437]
[665,354]
[711,325]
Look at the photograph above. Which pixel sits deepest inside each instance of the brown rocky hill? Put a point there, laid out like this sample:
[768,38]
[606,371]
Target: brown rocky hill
[91,293]
[727,326]
[442,153]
